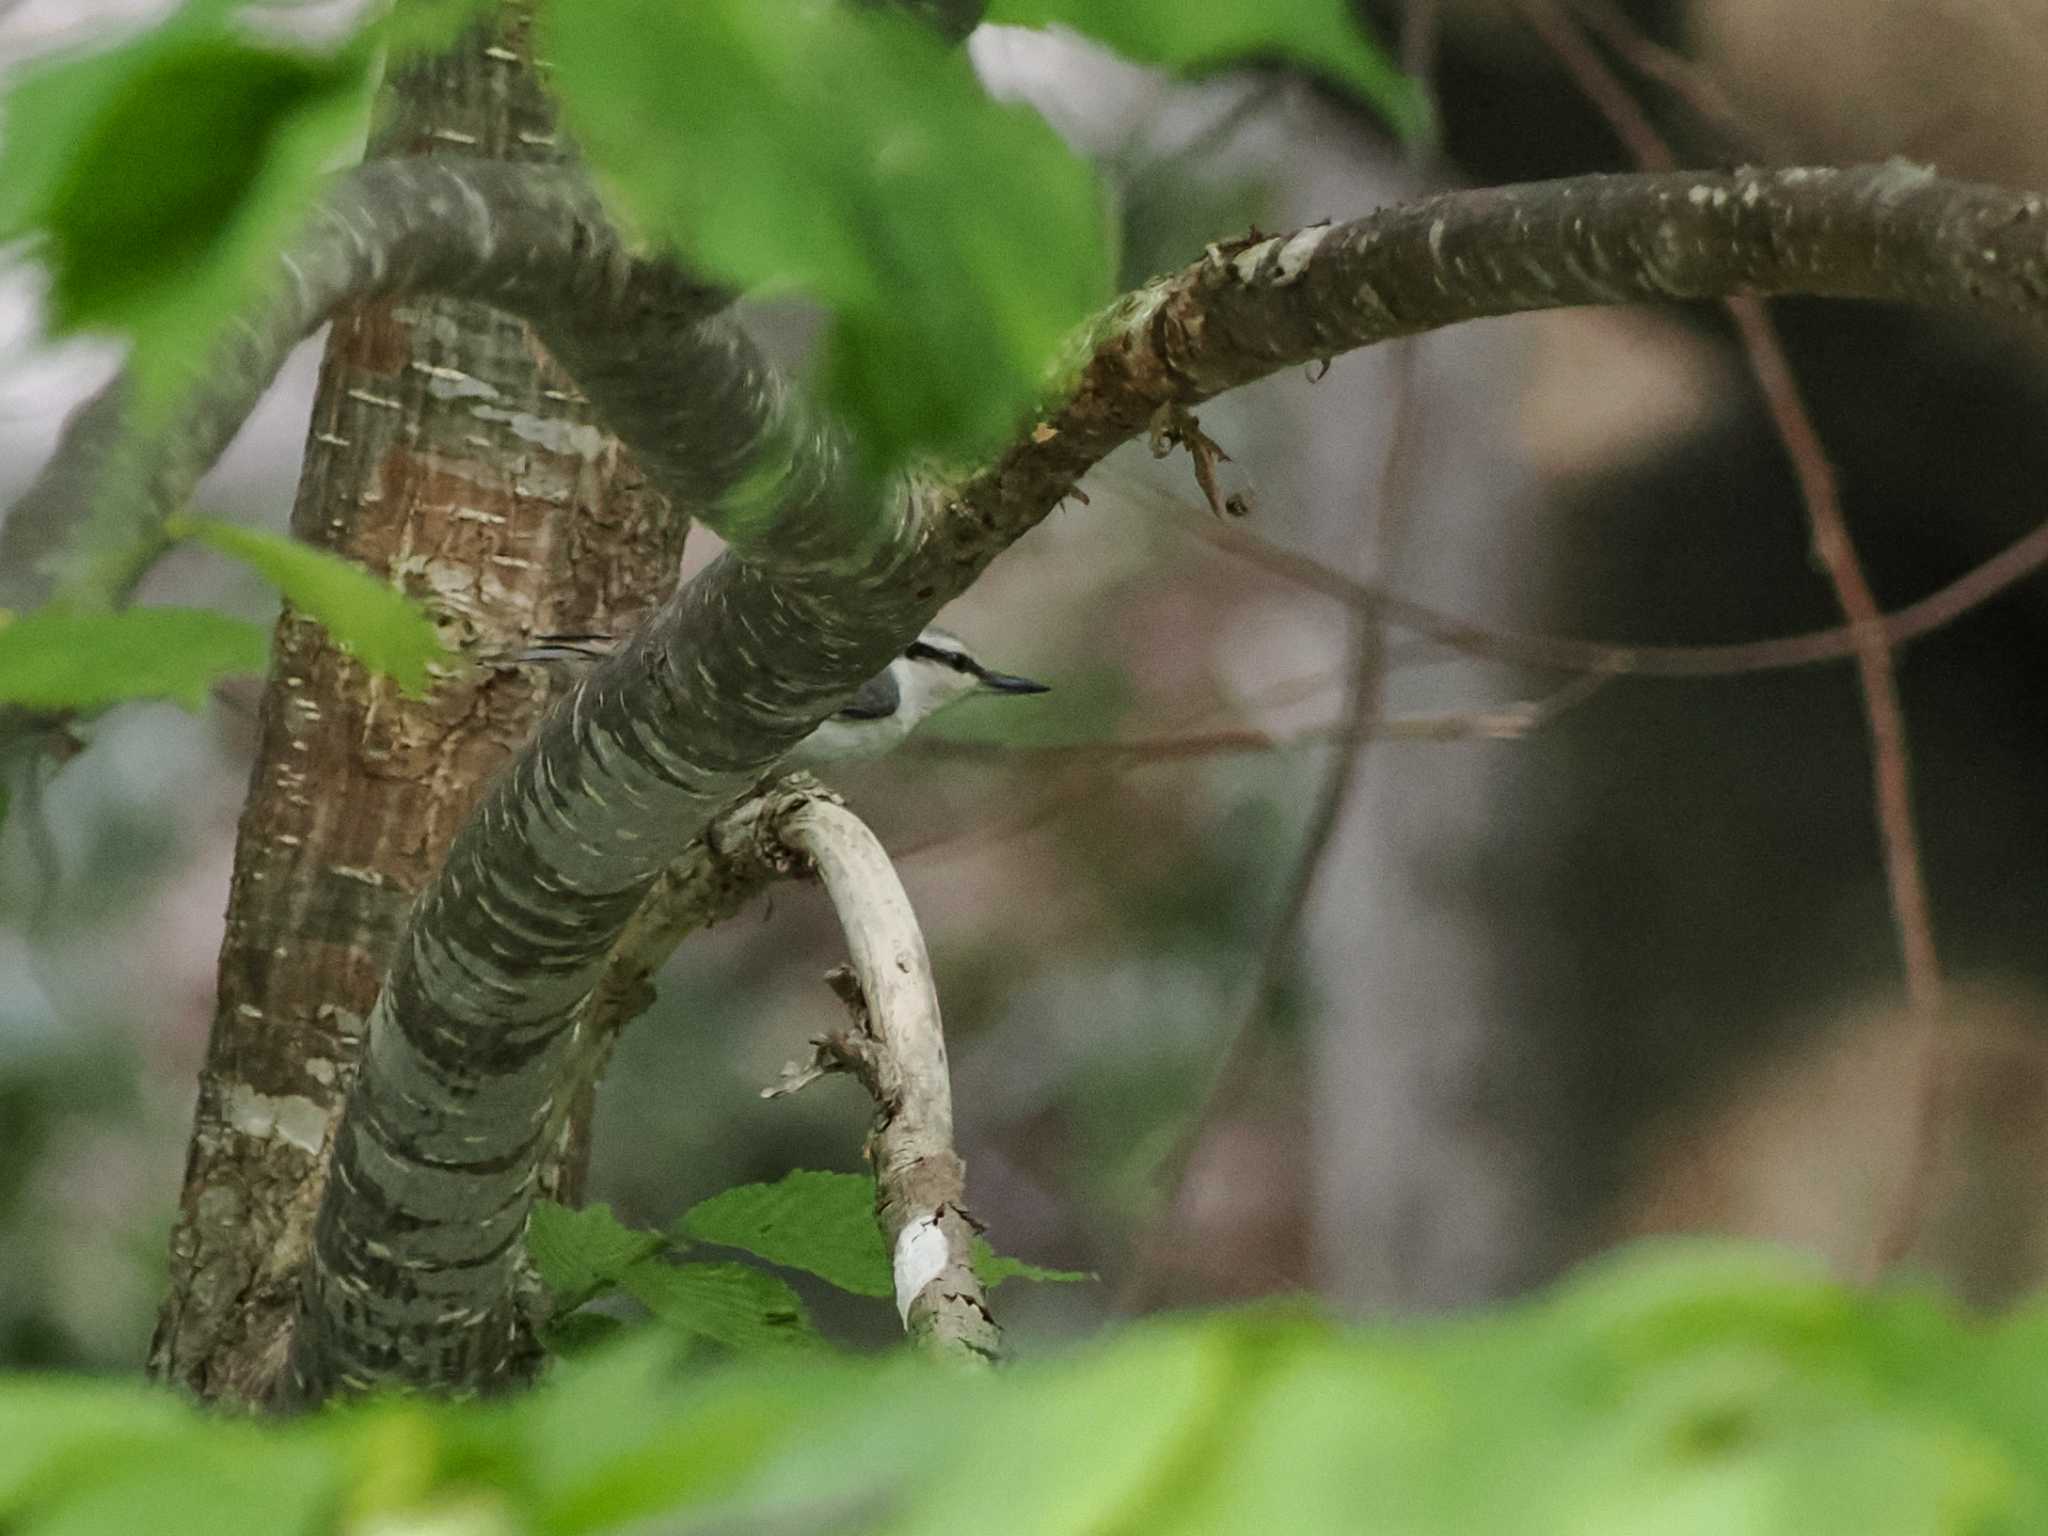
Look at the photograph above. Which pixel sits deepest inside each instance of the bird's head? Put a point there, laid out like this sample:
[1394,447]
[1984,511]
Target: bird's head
[936,669]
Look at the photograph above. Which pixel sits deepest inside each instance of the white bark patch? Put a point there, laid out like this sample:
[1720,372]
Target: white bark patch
[1295,254]
[453,383]
[586,442]
[296,1119]
[1245,266]
[921,1257]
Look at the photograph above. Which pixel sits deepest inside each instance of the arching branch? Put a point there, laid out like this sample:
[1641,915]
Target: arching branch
[435,1158]
[532,240]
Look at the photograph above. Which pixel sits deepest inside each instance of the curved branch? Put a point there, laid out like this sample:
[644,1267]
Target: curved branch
[739,856]
[435,1158]
[897,1048]
[532,240]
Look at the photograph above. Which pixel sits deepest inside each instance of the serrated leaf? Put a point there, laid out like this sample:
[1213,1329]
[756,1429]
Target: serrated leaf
[1320,35]
[993,1268]
[822,1223]
[584,1250]
[385,630]
[847,152]
[60,659]
[746,1310]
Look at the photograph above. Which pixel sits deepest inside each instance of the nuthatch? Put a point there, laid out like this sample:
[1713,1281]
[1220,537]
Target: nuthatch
[934,670]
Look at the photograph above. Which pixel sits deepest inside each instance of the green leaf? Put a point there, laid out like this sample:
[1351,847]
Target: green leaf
[994,1268]
[624,1436]
[242,1484]
[1321,35]
[430,26]
[386,630]
[823,1223]
[1686,1390]
[80,1458]
[580,1332]
[165,173]
[47,1424]
[581,1251]
[1104,1440]
[847,152]
[747,1310]
[59,659]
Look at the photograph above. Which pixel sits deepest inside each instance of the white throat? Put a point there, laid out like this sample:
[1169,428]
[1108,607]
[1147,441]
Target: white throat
[923,688]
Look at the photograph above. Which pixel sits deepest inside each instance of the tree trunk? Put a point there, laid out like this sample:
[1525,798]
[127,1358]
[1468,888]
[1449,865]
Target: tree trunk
[449,453]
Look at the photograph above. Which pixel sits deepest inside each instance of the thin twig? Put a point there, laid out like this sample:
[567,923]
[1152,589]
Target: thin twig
[1594,658]
[2004,570]
[1506,724]
[1364,692]
[897,1048]
[1683,77]
[1905,878]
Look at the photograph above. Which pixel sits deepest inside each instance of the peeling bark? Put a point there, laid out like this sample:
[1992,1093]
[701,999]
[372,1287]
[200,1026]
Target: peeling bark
[448,452]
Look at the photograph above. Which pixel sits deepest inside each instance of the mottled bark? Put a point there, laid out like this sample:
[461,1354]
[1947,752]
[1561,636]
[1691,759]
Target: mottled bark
[448,452]
[438,1157]
[418,1235]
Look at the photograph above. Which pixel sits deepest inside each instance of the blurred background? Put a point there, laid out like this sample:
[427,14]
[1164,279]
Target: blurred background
[1628,970]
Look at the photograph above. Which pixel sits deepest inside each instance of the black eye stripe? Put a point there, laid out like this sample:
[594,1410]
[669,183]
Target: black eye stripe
[918,650]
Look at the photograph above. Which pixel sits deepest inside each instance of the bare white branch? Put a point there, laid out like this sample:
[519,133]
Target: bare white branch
[897,1047]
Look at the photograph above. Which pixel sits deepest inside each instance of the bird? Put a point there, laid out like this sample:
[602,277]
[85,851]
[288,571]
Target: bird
[933,671]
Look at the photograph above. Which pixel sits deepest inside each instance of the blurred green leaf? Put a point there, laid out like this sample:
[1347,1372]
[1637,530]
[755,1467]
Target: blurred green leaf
[213,1485]
[1107,1439]
[1321,35]
[83,1458]
[581,1331]
[747,1310]
[164,173]
[54,658]
[625,1436]
[994,1268]
[580,1251]
[159,176]
[384,629]
[50,107]
[48,1424]
[1688,1390]
[849,153]
[430,26]
[823,1223]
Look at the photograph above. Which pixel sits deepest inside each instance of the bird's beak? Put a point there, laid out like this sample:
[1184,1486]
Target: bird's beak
[1003,682]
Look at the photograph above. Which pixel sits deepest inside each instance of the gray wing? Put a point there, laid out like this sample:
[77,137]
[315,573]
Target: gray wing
[877,699]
